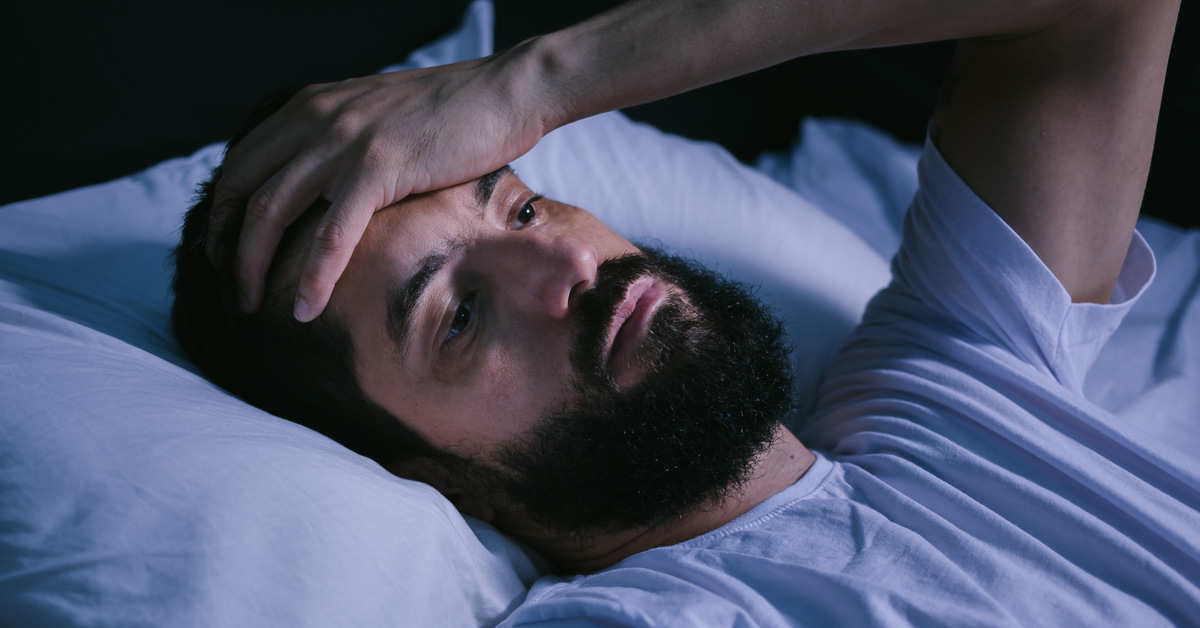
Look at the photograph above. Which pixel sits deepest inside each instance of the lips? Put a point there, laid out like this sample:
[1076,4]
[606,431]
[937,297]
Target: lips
[632,320]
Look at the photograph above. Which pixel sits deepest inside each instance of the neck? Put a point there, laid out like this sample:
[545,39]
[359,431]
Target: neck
[784,462]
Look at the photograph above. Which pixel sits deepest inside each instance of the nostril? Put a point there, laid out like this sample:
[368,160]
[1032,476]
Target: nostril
[577,290]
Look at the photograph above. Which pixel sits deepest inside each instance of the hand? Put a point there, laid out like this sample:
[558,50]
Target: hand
[363,144]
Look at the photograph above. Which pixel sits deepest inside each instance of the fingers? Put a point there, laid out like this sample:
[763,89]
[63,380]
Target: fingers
[329,252]
[348,142]
[232,190]
[270,211]
[265,150]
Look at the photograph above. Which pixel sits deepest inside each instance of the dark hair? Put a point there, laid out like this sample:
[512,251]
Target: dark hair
[303,372]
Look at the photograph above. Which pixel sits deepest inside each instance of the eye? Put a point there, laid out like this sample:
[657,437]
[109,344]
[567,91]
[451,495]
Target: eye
[462,317]
[526,214]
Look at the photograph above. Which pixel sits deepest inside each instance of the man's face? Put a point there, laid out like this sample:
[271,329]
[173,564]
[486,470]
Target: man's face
[592,383]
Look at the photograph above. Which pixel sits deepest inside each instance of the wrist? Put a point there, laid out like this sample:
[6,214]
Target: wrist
[535,71]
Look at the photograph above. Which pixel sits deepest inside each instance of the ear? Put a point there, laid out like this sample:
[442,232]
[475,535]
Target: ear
[448,483]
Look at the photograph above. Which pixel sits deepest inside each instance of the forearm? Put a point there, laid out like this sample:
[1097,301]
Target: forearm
[651,49]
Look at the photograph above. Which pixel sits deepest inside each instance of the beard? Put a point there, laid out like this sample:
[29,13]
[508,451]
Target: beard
[718,380]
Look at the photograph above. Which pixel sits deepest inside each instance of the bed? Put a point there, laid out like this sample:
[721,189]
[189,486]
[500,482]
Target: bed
[136,493]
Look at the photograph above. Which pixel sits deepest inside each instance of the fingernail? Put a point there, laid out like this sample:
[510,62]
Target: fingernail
[303,311]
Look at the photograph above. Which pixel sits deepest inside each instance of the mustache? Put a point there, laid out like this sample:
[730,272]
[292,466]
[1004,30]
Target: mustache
[597,308]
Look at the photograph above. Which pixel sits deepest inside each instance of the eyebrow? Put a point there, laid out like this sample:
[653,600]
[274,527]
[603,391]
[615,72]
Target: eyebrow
[402,302]
[485,185]
[404,298]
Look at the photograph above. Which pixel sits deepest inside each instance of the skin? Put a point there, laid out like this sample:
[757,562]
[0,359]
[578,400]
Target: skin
[511,365]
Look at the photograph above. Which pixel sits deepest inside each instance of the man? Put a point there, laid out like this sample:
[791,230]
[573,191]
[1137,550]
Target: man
[967,479]
[493,342]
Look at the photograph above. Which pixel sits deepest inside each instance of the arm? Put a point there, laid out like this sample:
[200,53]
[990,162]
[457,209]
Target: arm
[1054,130]
[651,49]
[367,143]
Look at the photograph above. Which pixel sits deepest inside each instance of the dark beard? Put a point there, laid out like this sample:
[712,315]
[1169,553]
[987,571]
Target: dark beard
[718,382]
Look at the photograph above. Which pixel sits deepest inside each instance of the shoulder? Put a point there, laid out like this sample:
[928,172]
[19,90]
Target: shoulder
[963,273]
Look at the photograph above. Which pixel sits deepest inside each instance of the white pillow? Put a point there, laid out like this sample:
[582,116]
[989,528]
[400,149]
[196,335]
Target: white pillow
[138,493]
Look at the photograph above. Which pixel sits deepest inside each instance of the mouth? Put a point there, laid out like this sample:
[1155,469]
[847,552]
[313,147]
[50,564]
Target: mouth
[631,322]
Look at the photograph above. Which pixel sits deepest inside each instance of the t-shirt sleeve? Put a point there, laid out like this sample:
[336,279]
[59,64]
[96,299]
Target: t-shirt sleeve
[969,271]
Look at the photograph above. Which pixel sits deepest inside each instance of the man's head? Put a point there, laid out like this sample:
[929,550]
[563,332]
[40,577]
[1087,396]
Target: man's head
[541,360]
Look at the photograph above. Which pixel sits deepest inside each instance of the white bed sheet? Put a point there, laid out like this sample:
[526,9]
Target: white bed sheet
[137,493]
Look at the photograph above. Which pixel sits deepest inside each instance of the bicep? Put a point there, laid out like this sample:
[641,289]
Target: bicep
[1054,130]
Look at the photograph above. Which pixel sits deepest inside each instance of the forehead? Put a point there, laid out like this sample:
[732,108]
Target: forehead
[422,224]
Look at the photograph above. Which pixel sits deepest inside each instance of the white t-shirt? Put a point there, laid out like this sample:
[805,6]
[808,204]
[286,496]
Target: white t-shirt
[964,480]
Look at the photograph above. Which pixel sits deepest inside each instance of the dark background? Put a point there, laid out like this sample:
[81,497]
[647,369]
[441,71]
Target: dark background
[96,90]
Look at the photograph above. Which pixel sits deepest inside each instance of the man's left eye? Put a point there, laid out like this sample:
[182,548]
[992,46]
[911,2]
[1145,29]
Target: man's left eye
[462,317]
[526,214]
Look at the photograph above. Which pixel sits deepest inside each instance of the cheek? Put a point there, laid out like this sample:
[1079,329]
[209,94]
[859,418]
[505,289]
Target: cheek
[521,380]
[609,245]
[582,224]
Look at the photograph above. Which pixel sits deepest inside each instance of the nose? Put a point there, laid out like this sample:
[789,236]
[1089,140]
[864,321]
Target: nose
[545,273]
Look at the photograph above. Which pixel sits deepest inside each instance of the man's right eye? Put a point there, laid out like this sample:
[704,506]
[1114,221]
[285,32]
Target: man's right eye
[462,317]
